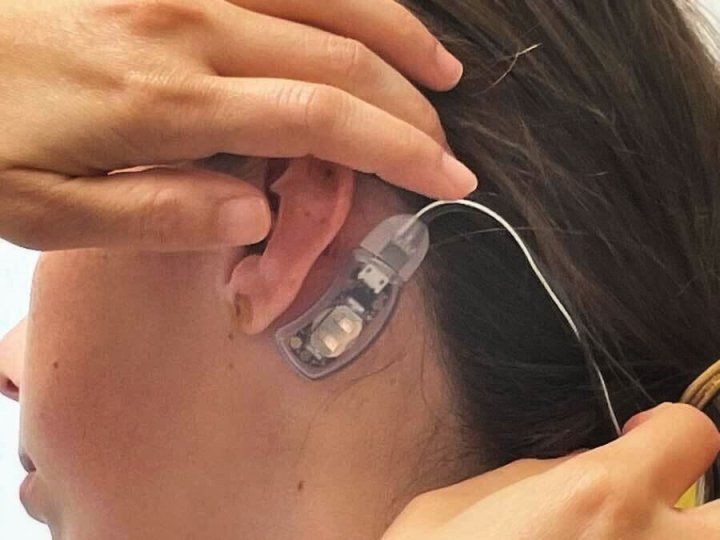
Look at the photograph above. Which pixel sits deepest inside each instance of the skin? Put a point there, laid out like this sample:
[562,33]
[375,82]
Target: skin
[165,83]
[626,489]
[152,405]
[103,86]
[149,412]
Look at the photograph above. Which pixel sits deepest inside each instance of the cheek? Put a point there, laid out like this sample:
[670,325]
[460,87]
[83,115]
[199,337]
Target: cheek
[106,332]
[139,395]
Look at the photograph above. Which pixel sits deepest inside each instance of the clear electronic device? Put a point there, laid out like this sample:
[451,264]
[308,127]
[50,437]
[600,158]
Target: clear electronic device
[355,309]
[349,316]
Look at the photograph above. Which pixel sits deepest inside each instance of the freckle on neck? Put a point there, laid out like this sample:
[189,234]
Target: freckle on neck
[301,485]
[55,365]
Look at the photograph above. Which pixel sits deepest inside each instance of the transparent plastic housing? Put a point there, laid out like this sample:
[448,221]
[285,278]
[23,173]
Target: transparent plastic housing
[357,306]
[342,289]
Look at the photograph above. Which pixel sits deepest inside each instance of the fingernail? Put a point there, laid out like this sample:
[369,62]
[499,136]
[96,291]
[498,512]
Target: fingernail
[450,66]
[243,221]
[459,174]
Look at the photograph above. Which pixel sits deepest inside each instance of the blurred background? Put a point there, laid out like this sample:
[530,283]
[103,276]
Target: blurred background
[16,267]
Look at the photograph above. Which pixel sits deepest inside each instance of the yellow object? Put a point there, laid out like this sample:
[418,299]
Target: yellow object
[701,394]
[689,499]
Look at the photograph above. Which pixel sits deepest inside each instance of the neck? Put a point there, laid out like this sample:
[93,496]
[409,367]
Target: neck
[354,466]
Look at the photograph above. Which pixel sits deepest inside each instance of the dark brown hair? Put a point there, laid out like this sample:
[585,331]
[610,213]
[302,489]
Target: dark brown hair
[593,126]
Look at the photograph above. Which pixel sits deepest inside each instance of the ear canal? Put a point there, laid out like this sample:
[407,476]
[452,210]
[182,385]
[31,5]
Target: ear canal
[315,199]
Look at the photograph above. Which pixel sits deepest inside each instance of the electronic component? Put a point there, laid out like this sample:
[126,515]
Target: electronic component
[354,310]
[357,306]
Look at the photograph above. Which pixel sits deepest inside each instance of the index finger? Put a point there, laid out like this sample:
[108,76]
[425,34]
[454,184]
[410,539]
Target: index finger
[277,118]
[385,26]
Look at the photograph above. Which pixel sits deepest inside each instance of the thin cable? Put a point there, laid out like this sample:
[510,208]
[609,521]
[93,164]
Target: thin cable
[563,310]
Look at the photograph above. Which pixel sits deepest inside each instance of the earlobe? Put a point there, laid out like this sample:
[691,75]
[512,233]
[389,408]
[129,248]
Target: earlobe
[315,199]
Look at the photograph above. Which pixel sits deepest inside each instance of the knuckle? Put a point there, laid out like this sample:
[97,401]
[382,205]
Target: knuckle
[157,97]
[602,493]
[293,99]
[157,88]
[153,17]
[137,90]
[593,485]
[351,58]
[160,216]
[324,108]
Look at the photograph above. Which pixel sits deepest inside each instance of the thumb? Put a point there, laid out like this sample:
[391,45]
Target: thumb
[159,209]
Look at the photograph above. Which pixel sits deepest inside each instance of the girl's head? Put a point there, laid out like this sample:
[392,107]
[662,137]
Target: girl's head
[154,404]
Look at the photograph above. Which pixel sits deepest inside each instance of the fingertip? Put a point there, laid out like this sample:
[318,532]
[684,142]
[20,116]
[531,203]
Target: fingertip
[694,425]
[642,417]
[449,67]
[244,221]
[461,178]
[693,422]
[682,412]
[706,427]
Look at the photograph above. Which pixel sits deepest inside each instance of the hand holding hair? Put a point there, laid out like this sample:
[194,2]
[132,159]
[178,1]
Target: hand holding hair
[626,489]
[95,86]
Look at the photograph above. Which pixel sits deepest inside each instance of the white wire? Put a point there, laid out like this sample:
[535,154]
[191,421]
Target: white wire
[497,217]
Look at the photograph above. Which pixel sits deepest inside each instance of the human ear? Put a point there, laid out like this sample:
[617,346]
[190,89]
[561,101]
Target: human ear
[314,201]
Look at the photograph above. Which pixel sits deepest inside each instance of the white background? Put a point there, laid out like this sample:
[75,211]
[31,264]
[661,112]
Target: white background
[16,267]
